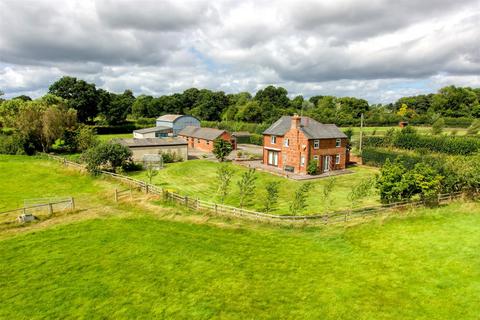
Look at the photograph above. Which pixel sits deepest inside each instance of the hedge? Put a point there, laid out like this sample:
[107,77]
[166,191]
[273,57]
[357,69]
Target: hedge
[412,141]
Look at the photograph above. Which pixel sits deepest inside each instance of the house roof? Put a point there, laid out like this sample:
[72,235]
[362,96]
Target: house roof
[153,129]
[151,142]
[169,117]
[311,128]
[201,133]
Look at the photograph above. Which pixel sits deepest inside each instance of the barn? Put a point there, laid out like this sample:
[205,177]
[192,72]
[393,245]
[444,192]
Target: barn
[177,122]
[149,146]
[154,132]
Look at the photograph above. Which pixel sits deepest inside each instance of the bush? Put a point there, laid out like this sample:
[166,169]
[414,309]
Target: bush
[13,144]
[124,128]
[107,156]
[438,126]
[474,128]
[256,139]
[312,167]
[170,157]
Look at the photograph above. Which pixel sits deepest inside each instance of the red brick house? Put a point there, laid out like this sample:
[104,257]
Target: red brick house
[293,141]
[202,138]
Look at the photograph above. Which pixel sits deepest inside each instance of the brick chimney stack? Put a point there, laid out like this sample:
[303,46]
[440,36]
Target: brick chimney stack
[296,120]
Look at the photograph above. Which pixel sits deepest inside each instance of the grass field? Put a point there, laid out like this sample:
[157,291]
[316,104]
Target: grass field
[197,178]
[422,267]
[108,137]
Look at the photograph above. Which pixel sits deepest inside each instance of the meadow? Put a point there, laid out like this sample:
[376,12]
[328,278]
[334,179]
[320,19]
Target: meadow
[136,260]
[421,267]
[198,179]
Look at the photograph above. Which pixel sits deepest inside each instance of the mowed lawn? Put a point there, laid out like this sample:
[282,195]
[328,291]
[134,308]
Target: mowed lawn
[198,179]
[422,267]
[109,137]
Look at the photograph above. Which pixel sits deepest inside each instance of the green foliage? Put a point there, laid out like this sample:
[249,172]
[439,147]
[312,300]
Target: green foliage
[438,126]
[171,157]
[151,171]
[246,187]
[86,138]
[13,144]
[396,183]
[81,96]
[312,167]
[221,149]
[271,196]
[106,156]
[299,203]
[327,192]
[474,128]
[359,191]
[224,178]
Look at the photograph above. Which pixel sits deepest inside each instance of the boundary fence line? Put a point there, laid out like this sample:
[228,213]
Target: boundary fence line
[26,209]
[230,211]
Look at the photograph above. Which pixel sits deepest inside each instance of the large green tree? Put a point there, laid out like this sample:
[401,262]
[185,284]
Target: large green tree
[81,96]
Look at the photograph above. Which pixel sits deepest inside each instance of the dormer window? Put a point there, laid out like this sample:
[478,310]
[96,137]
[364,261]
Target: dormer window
[316,144]
[338,143]
[273,139]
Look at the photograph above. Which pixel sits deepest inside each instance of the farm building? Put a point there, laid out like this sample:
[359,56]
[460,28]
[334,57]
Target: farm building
[202,138]
[149,146]
[291,143]
[154,132]
[177,122]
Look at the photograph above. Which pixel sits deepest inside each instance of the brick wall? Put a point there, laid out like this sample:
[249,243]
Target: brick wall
[267,144]
[205,145]
[328,148]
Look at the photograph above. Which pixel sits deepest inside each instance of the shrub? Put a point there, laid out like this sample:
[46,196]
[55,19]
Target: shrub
[299,203]
[312,167]
[438,126]
[106,156]
[170,157]
[13,144]
[221,149]
[256,139]
[474,128]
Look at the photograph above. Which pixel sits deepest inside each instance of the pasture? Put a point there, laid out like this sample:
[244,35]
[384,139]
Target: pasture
[423,266]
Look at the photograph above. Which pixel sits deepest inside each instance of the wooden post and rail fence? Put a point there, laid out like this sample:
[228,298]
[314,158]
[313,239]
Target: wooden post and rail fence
[226,210]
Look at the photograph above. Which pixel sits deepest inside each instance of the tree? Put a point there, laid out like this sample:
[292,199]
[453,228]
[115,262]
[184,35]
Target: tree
[81,96]
[271,196]
[299,203]
[86,138]
[109,155]
[327,192]
[246,186]
[224,177]
[474,127]
[116,107]
[57,124]
[151,171]
[359,191]
[438,125]
[221,149]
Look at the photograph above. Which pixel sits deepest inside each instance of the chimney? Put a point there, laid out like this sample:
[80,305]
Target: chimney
[296,120]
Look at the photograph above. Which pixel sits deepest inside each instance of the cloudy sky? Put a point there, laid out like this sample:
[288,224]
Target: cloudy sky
[374,49]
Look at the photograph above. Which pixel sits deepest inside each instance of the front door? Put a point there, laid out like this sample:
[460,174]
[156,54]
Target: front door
[273,158]
[326,163]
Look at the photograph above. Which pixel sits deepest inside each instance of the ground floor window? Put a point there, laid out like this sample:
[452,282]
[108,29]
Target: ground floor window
[315,158]
[302,161]
[337,159]
[272,158]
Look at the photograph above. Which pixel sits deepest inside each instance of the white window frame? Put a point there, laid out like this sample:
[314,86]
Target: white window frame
[273,139]
[315,157]
[302,161]
[316,144]
[338,143]
[286,142]
[337,159]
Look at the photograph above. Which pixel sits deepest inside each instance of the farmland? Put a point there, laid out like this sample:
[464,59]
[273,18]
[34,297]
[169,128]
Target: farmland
[197,178]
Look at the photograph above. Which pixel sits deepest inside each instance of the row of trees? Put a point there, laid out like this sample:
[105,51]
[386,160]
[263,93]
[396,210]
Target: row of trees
[265,106]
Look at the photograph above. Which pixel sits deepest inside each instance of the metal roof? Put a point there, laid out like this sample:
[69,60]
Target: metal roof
[153,129]
[151,142]
[173,117]
[311,128]
[201,133]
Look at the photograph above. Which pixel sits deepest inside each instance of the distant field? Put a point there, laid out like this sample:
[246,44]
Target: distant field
[197,178]
[423,267]
[108,137]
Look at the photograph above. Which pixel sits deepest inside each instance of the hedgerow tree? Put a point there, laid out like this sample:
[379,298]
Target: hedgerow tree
[437,126]
[224,177]
[106,155]
[271,197]
[221,149]
[299,203]
[246,187]
[151,171]
[327,192]
[359,191]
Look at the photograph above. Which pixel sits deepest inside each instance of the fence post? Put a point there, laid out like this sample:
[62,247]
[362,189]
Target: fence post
[72,203]
[131,194]
[50,209]
[146,188]
[196,204]
[24,210]
[186,201]
[116,195]
[215,207]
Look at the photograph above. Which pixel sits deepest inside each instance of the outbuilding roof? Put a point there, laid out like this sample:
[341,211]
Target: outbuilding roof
[201,133]
[311,128]
[151,142]
[172,117]
[153,129]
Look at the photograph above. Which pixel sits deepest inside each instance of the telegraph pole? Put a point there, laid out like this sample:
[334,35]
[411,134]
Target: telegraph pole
[361,134]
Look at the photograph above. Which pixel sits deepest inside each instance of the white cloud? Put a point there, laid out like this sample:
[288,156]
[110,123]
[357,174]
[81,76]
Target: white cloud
[378,50]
